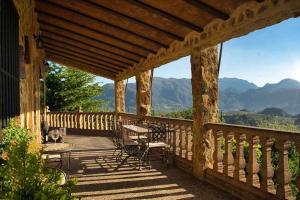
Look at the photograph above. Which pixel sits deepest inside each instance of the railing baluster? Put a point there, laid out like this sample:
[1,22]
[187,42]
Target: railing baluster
[267,172]
[240,162]
[89,121]
[228,162]
[181,130]
[106,123]
[283,175]
[186,143]
[65,120]
[97,121]
[101,121]
[218,155]
[253,167]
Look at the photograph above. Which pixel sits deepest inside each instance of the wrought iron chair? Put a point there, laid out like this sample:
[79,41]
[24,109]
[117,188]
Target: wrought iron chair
[156,139]
[123,144]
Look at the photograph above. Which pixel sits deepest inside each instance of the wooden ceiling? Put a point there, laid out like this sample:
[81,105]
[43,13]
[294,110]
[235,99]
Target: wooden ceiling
[106,37]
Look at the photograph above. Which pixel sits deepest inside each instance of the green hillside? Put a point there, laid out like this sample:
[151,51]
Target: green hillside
[234,95]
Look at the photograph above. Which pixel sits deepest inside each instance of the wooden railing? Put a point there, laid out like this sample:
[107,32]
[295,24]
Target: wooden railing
[104,121]
[267,174]
[249,162]
[179,138]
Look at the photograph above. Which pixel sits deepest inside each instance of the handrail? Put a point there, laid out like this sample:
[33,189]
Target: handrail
[104,121]
[230,165]
[248,173]
[180,140]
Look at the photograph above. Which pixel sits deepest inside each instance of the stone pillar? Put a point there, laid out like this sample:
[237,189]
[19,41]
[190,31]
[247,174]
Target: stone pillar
[143,93]
[119,96]
[204,65]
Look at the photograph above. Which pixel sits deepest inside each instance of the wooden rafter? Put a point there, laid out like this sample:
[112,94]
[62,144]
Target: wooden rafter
[82,56]
[74,44]
[207,8]
[69,14]
[80,66]
[139,22]
[79,60]
[72,25]
[86,39]
[166,15]
[66,38]
[86,52]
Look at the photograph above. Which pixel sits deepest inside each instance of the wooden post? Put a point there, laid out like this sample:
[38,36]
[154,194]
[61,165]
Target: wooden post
[204,66]
[143,93]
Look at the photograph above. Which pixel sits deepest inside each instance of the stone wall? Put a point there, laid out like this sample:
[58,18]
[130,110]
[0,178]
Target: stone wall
[30,84]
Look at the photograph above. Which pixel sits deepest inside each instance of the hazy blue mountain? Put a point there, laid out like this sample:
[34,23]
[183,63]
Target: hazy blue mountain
[235,85]
[171,94]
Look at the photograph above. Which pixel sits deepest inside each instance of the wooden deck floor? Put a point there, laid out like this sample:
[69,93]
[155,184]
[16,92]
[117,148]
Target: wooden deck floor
[99,176]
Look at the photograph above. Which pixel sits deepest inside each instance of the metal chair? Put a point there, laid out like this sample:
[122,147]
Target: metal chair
[123,144]
[156,140]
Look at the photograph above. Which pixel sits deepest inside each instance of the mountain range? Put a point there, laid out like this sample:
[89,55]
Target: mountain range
[170,94]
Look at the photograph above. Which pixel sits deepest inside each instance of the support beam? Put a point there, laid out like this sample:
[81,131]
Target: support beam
[119,96]
[250,16]
[204,66]
[80,66]
[143,93]
[209,9]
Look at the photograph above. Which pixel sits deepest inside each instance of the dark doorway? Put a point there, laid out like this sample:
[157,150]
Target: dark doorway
[9,62]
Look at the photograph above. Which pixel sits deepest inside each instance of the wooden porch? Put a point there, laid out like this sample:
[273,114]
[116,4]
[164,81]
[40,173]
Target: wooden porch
[99,176]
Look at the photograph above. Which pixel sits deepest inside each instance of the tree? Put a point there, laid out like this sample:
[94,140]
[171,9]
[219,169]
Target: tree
[69,90]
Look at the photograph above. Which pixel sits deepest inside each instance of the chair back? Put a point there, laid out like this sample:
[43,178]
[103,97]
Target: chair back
[157,133]
[117,135]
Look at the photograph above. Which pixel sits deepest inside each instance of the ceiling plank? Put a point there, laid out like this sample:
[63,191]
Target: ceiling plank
[110,30]
[96,61]
[166,15]
[80,66]
[86,53]
[135,20]
[100,52]
[51,29]
[209,9]
[86,62]
[55,36]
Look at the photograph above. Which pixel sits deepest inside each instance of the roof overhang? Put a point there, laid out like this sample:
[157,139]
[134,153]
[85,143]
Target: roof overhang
[118,39]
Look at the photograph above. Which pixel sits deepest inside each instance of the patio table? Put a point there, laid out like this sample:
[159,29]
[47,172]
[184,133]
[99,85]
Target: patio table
[56,151]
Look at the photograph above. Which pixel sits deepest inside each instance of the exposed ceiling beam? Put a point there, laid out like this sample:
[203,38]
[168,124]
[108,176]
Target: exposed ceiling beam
[59,37]
[88,54]
[82,56]
[166,15]
[104,37]
[86,62]
[52,29]
[209,9]
[137,21]
[80,66]
[69,14]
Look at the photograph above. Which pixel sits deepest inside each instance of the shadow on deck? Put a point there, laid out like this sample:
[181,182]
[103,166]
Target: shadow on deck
[99,176]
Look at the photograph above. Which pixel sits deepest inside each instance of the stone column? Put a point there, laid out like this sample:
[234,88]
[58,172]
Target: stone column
[143,93]
[204,64]
[119,96]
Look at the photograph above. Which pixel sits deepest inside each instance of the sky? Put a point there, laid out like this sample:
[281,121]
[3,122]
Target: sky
[264,56]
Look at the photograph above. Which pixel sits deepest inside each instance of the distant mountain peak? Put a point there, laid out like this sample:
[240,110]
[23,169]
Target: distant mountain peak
[283,84]
[235,85]
[171,94]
